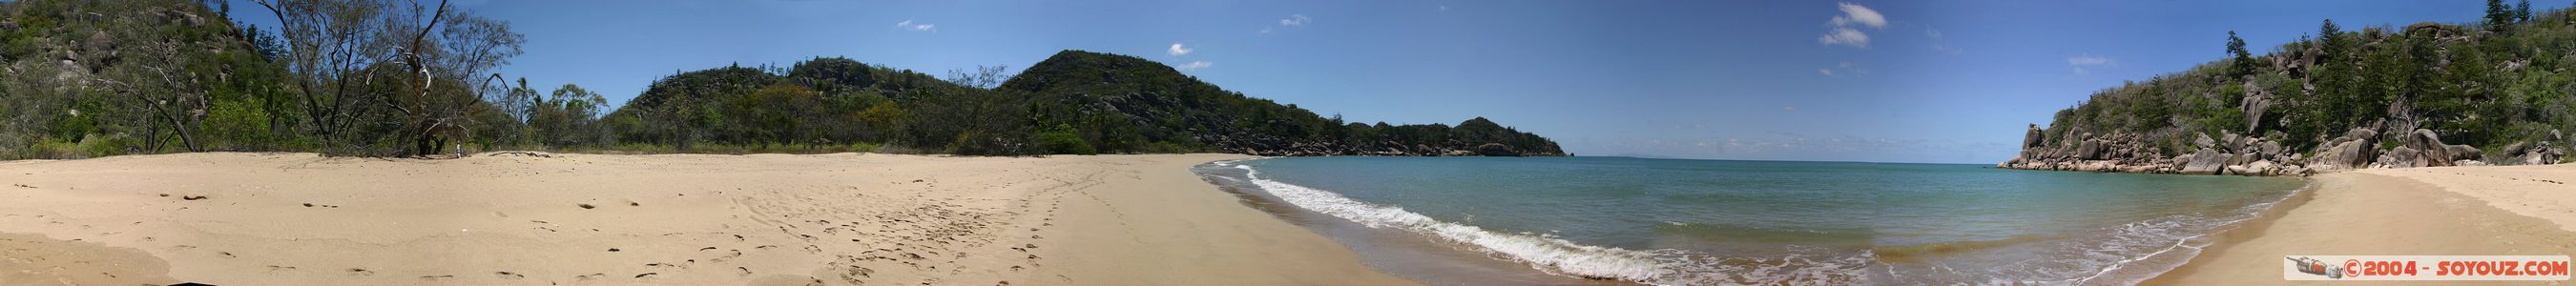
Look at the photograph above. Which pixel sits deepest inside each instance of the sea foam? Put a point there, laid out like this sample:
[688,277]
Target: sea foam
[1553,255]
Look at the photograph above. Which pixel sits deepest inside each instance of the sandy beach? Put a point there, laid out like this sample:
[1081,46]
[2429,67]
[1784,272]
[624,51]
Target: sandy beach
[544,219]
[2516,210]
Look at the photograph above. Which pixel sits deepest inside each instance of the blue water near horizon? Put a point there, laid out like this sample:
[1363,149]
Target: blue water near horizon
[1695,222]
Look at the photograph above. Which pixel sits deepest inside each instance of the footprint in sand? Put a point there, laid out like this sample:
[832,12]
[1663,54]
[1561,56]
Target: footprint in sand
[361,272]
[507,274]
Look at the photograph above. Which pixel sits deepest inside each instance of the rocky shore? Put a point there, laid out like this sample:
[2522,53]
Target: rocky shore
[2232,154]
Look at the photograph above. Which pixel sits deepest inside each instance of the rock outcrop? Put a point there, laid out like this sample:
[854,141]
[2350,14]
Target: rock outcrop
[1497,150]
[2208,161]
[2233,154]
[2423,148]
[2547,151]
[2353,150]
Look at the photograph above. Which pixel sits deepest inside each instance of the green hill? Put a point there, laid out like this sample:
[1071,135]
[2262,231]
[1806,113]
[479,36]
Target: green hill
[1127,104]
[97,78]
[1073,103]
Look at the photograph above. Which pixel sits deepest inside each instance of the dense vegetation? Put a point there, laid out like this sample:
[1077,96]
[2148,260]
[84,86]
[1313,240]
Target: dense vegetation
[1073,103]
[1126,104]
[2504,81]
[96,78]
[400,78]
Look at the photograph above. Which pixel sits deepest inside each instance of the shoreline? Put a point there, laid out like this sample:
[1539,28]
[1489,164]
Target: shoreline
[1415,256]
[832,219]
[2384,212]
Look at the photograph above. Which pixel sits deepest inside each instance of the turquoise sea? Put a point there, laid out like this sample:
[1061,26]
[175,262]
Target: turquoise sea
[1609,220]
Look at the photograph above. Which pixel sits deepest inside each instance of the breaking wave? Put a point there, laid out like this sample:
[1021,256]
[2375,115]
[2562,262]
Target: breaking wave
[1561,257]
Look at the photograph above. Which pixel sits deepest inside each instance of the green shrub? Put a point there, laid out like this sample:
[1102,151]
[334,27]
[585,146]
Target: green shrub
[1063,140]
[55,149]
[102,146]
[239,125]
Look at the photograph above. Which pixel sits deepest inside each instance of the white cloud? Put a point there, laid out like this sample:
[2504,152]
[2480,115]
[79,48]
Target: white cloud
[908,24]
[1845,36]
[1178,50]
[1194,65]
[1293,20]
[1843,69]
[2082,62]
[1843,29]
[1939,42]
[1855,14]
[2086,59]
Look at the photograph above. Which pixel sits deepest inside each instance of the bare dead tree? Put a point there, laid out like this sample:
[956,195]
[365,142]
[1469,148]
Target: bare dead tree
[330,44]
[341,48]
[153,78]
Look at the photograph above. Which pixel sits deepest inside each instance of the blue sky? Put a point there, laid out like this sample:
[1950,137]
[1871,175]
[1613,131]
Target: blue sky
[1892,81]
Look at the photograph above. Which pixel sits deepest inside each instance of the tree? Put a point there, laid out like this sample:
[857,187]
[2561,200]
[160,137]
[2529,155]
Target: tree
[520,103]
[2243,60]
[265,42]
[156,82]
[329,44]
[2498,15]
[468,47]
[984,77]
[2328,34]
[569,118]
[373,76]
[2522,11]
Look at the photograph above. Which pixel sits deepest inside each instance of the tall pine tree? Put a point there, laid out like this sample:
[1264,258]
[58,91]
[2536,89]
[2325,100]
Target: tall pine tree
[2244,60]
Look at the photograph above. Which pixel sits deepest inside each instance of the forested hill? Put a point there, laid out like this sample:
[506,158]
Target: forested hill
[1073,103]
[2497,91]
[1125,104]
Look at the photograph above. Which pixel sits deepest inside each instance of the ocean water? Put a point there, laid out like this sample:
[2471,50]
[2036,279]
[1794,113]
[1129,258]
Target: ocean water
[1471,220]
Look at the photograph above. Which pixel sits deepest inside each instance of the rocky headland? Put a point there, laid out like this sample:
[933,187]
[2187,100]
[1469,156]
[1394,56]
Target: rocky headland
[2233,154]
[2428,94]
